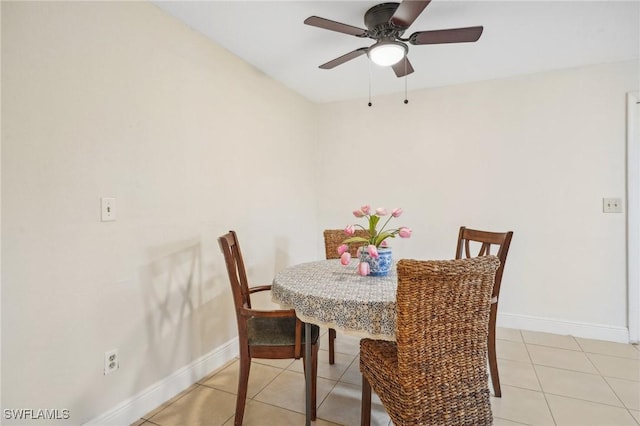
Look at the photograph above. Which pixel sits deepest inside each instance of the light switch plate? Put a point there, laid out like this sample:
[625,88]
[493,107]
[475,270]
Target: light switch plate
[108,209]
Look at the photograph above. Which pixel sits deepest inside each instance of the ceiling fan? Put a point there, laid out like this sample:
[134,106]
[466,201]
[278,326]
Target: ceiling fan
[386,23]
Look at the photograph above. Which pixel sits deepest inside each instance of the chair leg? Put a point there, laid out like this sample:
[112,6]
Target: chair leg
[493,361]
[332,338]
[243,381]
[365,410]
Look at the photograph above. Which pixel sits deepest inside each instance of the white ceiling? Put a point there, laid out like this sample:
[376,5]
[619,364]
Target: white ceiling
[520,37]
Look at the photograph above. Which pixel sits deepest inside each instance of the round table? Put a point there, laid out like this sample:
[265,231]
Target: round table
[329,294]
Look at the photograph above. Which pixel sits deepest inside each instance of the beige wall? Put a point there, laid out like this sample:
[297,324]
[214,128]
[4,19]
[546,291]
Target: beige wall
[120,100]
[534,154]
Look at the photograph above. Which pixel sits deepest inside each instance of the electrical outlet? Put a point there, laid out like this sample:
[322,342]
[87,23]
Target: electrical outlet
[612,205]
[111,361]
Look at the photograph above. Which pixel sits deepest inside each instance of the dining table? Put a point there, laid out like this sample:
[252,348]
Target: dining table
[329,294]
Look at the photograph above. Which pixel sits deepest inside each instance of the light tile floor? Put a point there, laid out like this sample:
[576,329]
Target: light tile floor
[547,379]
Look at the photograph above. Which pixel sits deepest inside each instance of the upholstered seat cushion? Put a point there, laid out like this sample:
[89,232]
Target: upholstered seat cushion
[276,331]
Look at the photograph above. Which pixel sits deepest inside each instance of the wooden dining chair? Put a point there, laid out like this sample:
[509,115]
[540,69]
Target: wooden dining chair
[273,334]
[472,242]
[435,373]
[333,239]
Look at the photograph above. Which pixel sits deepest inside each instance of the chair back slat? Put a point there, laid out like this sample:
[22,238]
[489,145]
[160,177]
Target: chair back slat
[236,270]
[468,238]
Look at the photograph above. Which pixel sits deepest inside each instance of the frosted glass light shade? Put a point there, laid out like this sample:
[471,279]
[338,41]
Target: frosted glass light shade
[386,53]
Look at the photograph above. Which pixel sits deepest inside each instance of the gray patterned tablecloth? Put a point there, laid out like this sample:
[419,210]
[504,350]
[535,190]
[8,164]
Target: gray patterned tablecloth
[329,294]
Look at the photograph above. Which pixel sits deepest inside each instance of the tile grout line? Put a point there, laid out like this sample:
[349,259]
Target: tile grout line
[282,370]
[294,411]
[544,395]
[531,390]
[599,374]
[512,421]
[335,385]
[604,378]
[168,404]
[619,398]
[589,401]
[290,410]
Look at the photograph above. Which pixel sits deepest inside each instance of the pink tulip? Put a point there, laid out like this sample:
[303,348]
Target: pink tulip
[384,244]
[342,249]
[381,211]
[363,268]
[365,209]
[349,230]
[396,212]
[373,251]
[345,258]
[358,213]
[405,232]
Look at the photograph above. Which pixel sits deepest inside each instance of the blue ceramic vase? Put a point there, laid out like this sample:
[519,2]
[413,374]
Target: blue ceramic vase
[381,266]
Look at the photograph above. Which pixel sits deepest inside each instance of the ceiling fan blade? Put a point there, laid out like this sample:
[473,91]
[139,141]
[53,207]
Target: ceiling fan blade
[328,24]
[402,68]
[453,35]
[407,12]
[344,58]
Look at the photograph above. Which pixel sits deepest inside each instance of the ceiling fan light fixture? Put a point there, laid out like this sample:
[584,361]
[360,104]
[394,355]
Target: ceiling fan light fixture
[387,52]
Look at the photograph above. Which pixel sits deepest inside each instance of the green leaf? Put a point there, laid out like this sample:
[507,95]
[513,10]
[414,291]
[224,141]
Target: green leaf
[373,222]
[383,236]
[355,240]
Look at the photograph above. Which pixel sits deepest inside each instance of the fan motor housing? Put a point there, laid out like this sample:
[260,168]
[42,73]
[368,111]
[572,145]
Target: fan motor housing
[377,22]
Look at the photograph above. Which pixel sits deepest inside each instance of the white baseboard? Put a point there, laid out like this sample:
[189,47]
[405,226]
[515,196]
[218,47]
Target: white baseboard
[135,407]
[556,326]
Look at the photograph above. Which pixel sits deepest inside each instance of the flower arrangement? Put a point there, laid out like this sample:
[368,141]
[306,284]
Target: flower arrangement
[376,240]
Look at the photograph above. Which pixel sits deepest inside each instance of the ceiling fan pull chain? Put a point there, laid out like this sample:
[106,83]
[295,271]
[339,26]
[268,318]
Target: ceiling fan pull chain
[406,101]
[369,85]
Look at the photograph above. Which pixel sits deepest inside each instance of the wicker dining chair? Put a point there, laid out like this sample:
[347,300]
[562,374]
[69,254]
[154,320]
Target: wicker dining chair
[436,371]
[472,241]
[273,334]
[333,239]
